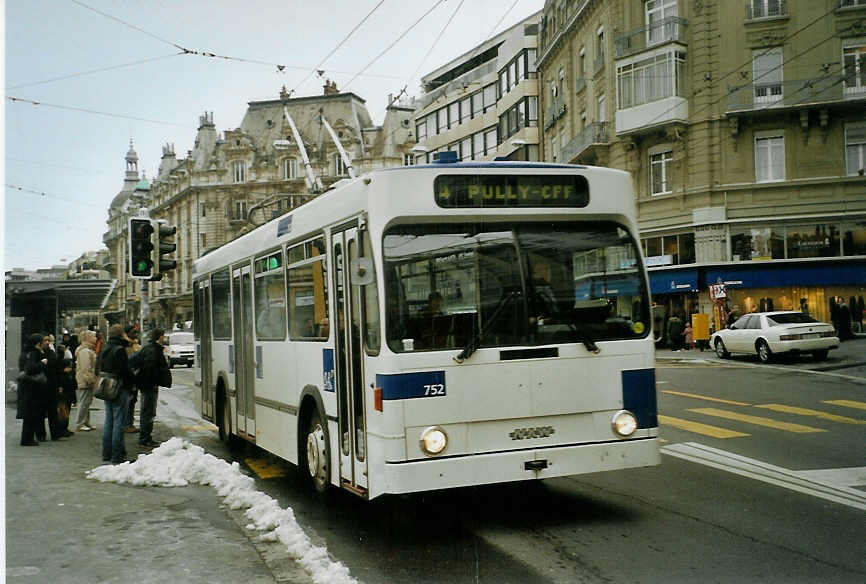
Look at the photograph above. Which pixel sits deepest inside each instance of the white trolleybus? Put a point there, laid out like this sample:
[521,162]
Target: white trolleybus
[436,326]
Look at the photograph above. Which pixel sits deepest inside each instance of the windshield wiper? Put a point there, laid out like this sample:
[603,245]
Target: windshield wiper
[473,344]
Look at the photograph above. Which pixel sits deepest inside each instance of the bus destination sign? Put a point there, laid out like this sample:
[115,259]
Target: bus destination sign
[512,190]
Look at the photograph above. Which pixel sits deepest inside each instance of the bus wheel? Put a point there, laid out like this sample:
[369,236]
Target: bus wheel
[317,453]
[224,421]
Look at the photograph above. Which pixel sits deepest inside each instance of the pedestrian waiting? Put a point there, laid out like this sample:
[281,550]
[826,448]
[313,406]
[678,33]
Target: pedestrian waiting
[85,376]
[113,360]
[154,373]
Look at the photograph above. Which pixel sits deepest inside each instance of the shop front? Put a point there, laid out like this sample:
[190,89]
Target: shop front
[674,291]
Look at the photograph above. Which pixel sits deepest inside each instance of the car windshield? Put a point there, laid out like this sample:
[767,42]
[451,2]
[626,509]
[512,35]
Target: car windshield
[512,284]
[789,318]
[180,339]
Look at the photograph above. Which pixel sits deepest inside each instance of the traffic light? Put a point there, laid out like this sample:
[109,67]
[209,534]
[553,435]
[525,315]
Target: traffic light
[164,245]
[140,248]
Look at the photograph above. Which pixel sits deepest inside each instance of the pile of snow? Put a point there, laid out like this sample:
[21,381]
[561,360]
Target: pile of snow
[177,463]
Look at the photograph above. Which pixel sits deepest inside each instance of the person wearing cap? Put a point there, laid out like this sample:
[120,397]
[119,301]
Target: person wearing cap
[113,359]
[132,349]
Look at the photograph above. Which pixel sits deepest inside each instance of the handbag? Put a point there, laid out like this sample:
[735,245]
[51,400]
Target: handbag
[62,412]
[107,386]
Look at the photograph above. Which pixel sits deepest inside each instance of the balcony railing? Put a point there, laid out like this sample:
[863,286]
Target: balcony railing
[672,28]
[793,93]
[595,133]
[766,9]
[557,110]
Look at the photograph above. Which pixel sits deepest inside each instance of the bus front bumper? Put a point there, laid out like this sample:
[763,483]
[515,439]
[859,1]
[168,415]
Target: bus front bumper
[500,467]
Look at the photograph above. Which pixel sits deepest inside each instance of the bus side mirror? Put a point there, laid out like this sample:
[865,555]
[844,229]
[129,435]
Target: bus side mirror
[361,270]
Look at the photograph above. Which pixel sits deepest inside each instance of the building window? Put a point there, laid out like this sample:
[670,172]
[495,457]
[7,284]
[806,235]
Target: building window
[813,241]
[466,149]
[855,149]
[765,8]
[651,79]
[290,168]
[489,96]
[441,120]
[453,114]
[239,171]
[854,63]
[602,108]
[465,110]
[660,169]
[201,209]
[477,145]
[490,141]
[658,27]
[854,238]
[757,243]
[421,130]
[240,213]
[769,158]
[599,49]
[339,165]
[532,101]
[477,104]
[767,75]
[408,160]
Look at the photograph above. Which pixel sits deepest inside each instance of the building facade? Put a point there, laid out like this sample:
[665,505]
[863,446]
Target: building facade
[743,125]
[483,104]
[233,181]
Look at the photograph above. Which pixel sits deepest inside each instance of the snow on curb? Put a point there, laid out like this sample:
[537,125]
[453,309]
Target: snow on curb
[177,463]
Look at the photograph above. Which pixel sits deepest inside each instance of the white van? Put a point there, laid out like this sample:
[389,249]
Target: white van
[179,348]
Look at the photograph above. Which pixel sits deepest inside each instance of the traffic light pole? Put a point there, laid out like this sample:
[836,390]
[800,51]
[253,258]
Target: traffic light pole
[145,305]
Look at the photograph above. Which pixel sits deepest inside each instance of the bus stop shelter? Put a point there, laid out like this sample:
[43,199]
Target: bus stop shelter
[41,303]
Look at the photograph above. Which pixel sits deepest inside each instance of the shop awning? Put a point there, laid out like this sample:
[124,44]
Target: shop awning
[763,275]
[673,281]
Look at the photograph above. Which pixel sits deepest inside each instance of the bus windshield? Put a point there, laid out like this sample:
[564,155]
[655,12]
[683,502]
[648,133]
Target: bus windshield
[512,284]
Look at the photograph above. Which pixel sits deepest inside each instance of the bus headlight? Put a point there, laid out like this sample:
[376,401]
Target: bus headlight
[434,440]
[624,423]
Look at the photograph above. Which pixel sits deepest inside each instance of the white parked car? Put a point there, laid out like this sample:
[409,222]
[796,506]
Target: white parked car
[771,333]
[179,348]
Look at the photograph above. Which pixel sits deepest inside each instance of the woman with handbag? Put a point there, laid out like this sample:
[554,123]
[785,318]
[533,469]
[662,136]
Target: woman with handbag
[114,362]
[32,383]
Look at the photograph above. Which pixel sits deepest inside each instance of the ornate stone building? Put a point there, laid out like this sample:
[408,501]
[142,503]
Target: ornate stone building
[743,126]
[232,181]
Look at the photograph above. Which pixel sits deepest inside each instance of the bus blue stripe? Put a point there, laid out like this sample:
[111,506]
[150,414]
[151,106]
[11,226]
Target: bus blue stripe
[639,396]
[411,385]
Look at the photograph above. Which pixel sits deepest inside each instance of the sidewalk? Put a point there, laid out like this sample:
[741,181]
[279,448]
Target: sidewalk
[63,527]
[849,354]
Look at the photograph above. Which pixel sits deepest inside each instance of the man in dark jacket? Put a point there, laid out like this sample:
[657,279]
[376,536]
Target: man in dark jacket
[113,360]
[51,395]
[154,373]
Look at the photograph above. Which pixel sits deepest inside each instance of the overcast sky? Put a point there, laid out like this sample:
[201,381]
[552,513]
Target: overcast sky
[64,165]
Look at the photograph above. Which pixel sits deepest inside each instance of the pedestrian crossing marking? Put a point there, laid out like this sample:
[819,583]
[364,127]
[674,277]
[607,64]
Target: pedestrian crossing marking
[846,403]
[814,413]
[264,468]
[698,428]
[757,420]
[705,398]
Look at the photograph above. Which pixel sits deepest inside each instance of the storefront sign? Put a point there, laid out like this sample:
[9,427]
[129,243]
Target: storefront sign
[660,260]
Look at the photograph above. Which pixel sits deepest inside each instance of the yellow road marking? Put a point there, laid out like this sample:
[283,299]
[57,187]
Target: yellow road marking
[814,413]
[847,403]
[705,398]
[264,468]
[698,428]
[758,420]
[200,427]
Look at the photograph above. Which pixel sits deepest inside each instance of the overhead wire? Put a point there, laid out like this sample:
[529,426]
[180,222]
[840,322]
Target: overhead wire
[53,196]
[94,112]
[397,40]
[92,71]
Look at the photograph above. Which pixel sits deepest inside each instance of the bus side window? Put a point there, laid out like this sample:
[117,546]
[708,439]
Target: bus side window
[307,294]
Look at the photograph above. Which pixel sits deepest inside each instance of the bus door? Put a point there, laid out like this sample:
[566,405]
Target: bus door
[204,358]
[245,366]
[349,363]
